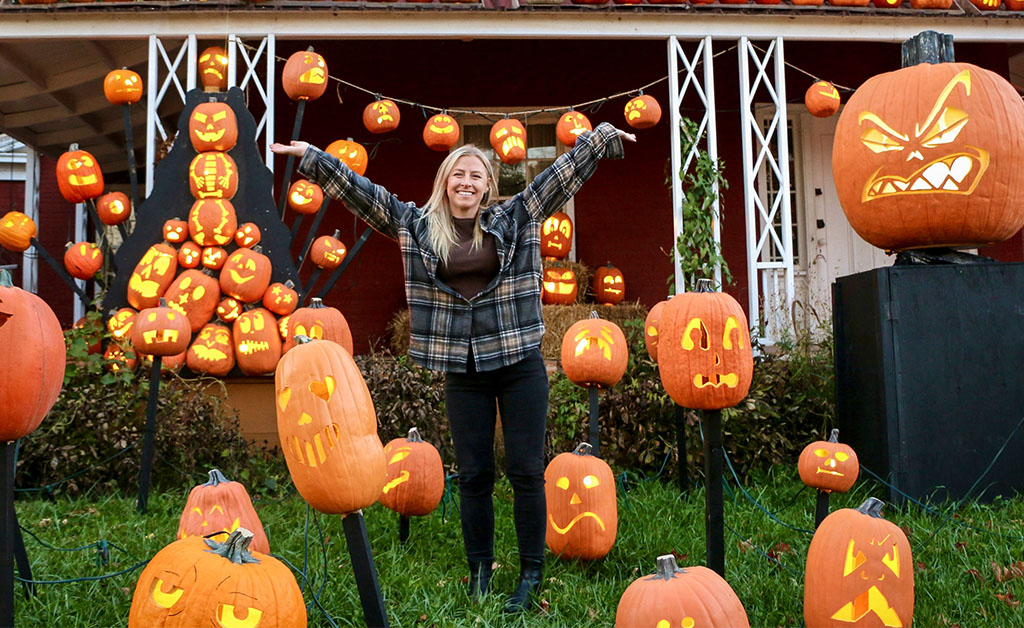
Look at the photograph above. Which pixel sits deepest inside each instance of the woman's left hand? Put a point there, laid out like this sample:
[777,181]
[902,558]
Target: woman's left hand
[629,137]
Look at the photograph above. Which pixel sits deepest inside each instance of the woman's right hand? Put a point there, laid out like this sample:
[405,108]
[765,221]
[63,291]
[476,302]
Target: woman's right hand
[293,149]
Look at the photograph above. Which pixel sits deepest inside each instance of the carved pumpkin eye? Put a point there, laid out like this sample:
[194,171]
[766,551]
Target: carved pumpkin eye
[323,389]
[563,483]
[697,325]
[226,617]
[165,599]
[283,397]
[590,481]
[732,325]
[821,453]
[400,455]
[842,456]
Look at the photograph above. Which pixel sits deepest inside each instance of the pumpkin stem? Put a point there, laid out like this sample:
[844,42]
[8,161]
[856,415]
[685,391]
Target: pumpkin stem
[834,436]
[316,303]
[705,285]
[927,47]
[301,340]
[337,234]
[871,507]
[163,302]
[289,283]
[216,477]
[667,567]
[593,314]
[583,449]
[414,436]
[235,549]
[5,279]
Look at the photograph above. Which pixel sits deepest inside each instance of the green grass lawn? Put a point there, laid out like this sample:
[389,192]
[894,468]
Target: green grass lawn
[424,581]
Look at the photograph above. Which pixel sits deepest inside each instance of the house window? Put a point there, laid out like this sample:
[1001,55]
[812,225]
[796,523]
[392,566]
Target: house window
[12,159]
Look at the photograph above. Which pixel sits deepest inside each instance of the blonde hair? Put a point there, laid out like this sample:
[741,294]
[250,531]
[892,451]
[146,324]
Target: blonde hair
[438,213]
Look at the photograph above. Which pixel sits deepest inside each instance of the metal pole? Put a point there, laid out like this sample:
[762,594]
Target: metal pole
[63,274]
[333,279]
[714,519]
[7,539]
[675,102]
[684,479]
[365,570]
[595,439]
[133,175]
[821,510]
[403,529]
[312,234]
[149,435]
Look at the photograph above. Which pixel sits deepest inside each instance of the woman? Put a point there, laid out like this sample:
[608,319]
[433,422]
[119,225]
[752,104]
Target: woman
[473,280]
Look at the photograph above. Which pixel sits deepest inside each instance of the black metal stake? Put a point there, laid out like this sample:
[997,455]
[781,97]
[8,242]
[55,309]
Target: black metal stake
[821,511]
[333,279]
[403,529]
[309,286]
[365,570]
[289,164]
[20,554]
[7,539]
[149,435]
[684,478]
[312,234]
[595,438]
[133,175]
[714,519]
[63,274]
[296,225]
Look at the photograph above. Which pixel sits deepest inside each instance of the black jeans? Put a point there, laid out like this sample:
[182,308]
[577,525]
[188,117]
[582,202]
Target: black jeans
[521,391]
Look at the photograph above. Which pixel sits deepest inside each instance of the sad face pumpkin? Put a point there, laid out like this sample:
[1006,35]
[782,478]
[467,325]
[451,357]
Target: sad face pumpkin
[582,511]
[570,126]
[381,116]
[213,68]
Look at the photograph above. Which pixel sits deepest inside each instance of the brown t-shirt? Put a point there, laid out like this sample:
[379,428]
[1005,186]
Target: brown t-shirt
[469,269]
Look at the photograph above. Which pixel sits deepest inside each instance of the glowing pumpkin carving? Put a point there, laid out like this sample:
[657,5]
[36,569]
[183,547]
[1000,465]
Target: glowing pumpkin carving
[195,293]
[189,255]
[570,126]
[583,516]
[212,222]
[214,257]
[305,197]
[559,287]
[381,116]
[248,235]
[257,343]
[328,252]
[213,174]
[508,139]
[82,260]
[829,465]
[212,126]
[212,352]
[79,176]
[117,357]
[608,285]
[113,208]
[304,76]
[152,276]
[221,504]
[120,322]
[352,154]
[122,87]
[651,334]
[642,112]
[822,99]
[175,230]
[246,275]
[229,309]
[281,298]
[213,69]
[16,231]
[415,480]
[318,321]
[441,132]
[556,236]
[594,353]
[160,331]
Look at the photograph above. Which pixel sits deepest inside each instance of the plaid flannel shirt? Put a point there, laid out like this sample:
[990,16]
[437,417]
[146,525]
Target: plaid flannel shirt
[504,321]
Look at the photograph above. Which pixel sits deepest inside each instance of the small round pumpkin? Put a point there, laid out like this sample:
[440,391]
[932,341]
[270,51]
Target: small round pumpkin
[189,255]
[194,293]
[16,231]
[113,208]
[441,132]
[559,286]
[160,331]
[304,76]
[508,139]
[305,197]
[829,465]
[583,516]
[257,342]
[248,235]
[212,222]
[571,125]
[118,357]
[79,176]
[822,99]
[642,112]
[328,252]
[319,321]
[246,275]
[212,351]
[281,298]
[220,504]
[229,309]
[83,259]
[214,257]
[594,353]
[119,324]
[352,154]
[415,480]
[608,285]
[175,231]
[122,87]
[213,126]
[651,335]
[381,116]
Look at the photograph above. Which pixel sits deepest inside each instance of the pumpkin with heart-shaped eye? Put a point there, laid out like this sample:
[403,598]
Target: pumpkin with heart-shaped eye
[195,293]
[202,582]
[16,231]
[556,236]
[304,76]
[642,112]
[257,342]
[352,154]
[212,126]
[119,323]
[508,139]
[822,99]
[829,465]
[189,255]
[213,68]
[583,516]
[229,309]
[160,331]
[221,505]
[559,286]
[594,353]
[214,257]
[328,428]
[571,125]
[212,222]
[213,174]
[441,132]
[212,351]
[175,231]
[651,335]
[281,298]
[118,357]
[152,276]
[83,259]
[113,208]
[608,285]
[381,116]
[415,480]
[692,597]
[328,252]
[246,275]
[319,321]
[122,87]
[305,197]
[248,235]
[79,176]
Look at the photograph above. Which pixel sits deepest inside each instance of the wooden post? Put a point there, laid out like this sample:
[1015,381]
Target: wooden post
[365,571]
[149,436]
[714,519]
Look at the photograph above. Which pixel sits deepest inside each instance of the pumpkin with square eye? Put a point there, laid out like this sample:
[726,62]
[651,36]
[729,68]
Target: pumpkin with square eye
[304,76]
[122,87]
[594,353]
[319,322]
[202,582]
[212,126]
[328,428]
[16,231]
[212,222]
[305,197]
[556,236]
[79,176]
[221,505]
[508,139]
[113,208]
[381,116]
[246,275]
[118,357]
[189,255]
[212,351]
[248,235]
[829,465]
[281,298]
[213,174]
[175,231]
[441,132]
[651,335]
[120,322]
[152,276]
[194,293]
[415,480]
[559,286]
[229,309]
[642,112]
[822,99]
[608,285]
[83,259]
[860,571]
[572,124]
[352,154]
[214,257]
[160,331]
[328,252]
[583,516]
[257,343]
[213,68]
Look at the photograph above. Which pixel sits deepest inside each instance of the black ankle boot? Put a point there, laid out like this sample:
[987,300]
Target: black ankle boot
[530,576]
[479,578]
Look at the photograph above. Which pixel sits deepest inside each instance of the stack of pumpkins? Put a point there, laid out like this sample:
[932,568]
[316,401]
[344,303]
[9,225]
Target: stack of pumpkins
[560,285]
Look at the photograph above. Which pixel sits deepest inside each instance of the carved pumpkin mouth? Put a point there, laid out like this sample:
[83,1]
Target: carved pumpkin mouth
[829,472]
[312,453]
[443,130]
[214,72]
[160,335]
[209,353]
[381,119]
[613,290]
[872,600]
[88,179]
[585,344]
[511,143]
[574,521]
[717,380]
[957,173]
[237,278]
[558,287]
[253,346]
[555,244]
[314,75]
[299,199]
[210,136]
[401,479]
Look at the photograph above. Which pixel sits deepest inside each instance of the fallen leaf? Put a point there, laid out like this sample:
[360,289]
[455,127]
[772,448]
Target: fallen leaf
[745,545]
[1007,599]
[1010,572]
[977,576]
[961,545]
[680,558]
[544,606]
[921,567]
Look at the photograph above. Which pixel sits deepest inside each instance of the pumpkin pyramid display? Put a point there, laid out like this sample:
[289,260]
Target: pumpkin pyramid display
[594,353]
[221,505]
[829,465]
[859,571]
[415,481]
[583,516]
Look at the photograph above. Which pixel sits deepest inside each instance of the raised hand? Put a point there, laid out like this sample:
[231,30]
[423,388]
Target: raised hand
[295,148]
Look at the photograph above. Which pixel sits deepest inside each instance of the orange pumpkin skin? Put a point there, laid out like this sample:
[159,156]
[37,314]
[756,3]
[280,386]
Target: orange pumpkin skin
[29,330]
[594,353]
[860,571]
[189,255]
[508,139]
[651,334]
[160,331]
[113,208]
[229,309]
[328,252]
[328,428]
[212,222]
[559,286]
[304,76]
[214,257]
[79,176]
[213,174]
[221,504]
[175,231]
[195,293]
[572,124]
[642,112]
[441,132]
[829,465]
[120,322]
[822,99]
[16,231]
[200,582]
[694,596]
[213,126]
[319,321]
[556,236]
[305,197]
[281,298]
[608,285]
[212,351]
[415,481]
[122,87]
[257,342]
[954,147]
[152,276]
[248,235]
[213,68]
[246,275]
[381,116]
[352,154]
[583,516]
[83,259]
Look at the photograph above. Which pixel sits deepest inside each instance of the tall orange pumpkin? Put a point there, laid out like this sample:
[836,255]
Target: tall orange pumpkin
[79,176]
[152,276]
[221,505]
[213,68]
[415,481]
[508,139]
[304,76]
[594,353]
[257,342]
[583,516]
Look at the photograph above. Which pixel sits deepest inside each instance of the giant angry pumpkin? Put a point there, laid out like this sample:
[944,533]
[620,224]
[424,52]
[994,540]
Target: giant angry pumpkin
[556,236]
[221,505]
[79,176]
[304,76]
[594,352]
[508,139]
[212,222]
[195,293]
[319,321]
[213,68]
[16,231]
[82,260]
[381,116]
[246,275]
[930,156]
[415,481]
[160,331]
[113,208]
[328,428]
[583,516]
[213,174]
[829,465]
[213,126]
[352,154]
[257,343]
[608,285]
[122,87]
[212,352]
[441,132]
[559,286]
[571,125]
[152,276]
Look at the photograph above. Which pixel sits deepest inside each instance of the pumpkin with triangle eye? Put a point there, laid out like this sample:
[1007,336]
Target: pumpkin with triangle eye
[246,275]
[651,334]
[16,231]
[212,126]
[212,222]
[583,516]
[213,174]
[212,351]
[556,236]
[415,480]
[220,504]
[79,176]
[113,208]
[381,116]
[119,324]
[175,231]
[281,298]
[642,112]
[559,286]
[822,99]
[508,139]
[352,154]
[571,125]
[304,76]
[152,276]
[328,252]
[608,284]
[257,343]
[594,353]
[829,465]
[214,257]
[122,87]
[189,255]
[213,68]
[194,293]
[83,259]
[160,331]
[441,132]
[248,235]
[305,197]
[319,321]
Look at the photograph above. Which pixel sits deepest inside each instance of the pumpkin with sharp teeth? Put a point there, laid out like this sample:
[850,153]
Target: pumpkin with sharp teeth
[651,334]
[214,257]
[213,174]
[220,504]
[609,286]
[113,208]
[570,126]
[248,235]
[319,321]
[212,126]
[213,68]
[122,87]
[79,176]
[160,331]
[152,276]
[583,516]
[212,352]
[829,465]
[16,231]
[508,139]
[642,112]
[246,275]
[305,197]
[82,260]
[212,222]
[352,154]
[195,293]
[281,298]
[556,236]
[559,286]
[594,353]
[304,76]
[175,231]
[441,132]
[415,480]
[328,252]
[189,255]
[120,322]
[257,343]
[381,116]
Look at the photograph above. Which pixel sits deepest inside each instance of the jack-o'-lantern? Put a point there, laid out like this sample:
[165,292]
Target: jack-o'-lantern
[118,357]
[16,231]
[642,112]
[220,504]
[281,298]
[937,166]
[829,465]
[175,230]
[189,255]
[556,236]
[195,293]
[246,275]
[693,597]
[704,353]
[381,116]
[212,222]
[257,343]
[318,321]
[559,287]
[248,235]
[113,208]
[201,582]
[122,87]
[160,331]
[213,68]
[229,309]
[594,353]
[441,132]
[849,3]
[415,480]
[822,99]
[328,428]
[212,126]
[508,139]
[305,197]
[79,176]
[859,571]
[212,352]
[328,252]
[120,323]
[83,259]
[651,329]
[608,285]
[352,154]
[283,327]
[152,276]
[583,517]
[214,257]
[571,125]
[213,175]
[304,76]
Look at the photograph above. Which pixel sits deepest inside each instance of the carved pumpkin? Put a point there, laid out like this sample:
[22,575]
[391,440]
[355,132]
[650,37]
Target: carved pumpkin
[441,132]
[213,68]
[829,465]
[859,571]
[583,516]
[559,287]
[212,352]
[937,166]
[82,260]
[608,285]
[79,176]
[556,236]
[257,343]
[212,222]
[248,235]
[119,357]
[221,504]
[352,154]
[200,582]
[381,116]
[212,126]
[571,125]
[328,252]
[283,327]
[304,76]
[704,353]
[33,371]
[318,321]
[693,597]
[651,329]
[175,230]
[213,174]
[113,208]
[594,353]
[160,331]
[305,197]
[152,276]
[195,293]
[281,298]
[16,231]
[415,480]
[214,257]
[189,255]
[122,87]
[642,112]
[246,275]
[508,139]
[228,310]
[120,323]
[328,428]
[822,99]
[936,4]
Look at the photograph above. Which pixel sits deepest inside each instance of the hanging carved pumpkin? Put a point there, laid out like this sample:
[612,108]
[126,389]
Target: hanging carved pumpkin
[608,285]
[189,255]
[221,504]
[16,231]
[212,352]
[120,323]
[651,329]
[441,132]
[281,298]
[257,343]
[200,582]
[213,68]
[822,99]
[859,571]
[175,231]
[248,235]
[246,275]
[352,154]
[328,252]
[571,125]
[583,516]
[160,331]
[79,176]
[559,286]
[304,76]
[556,236]
[212,222]
[704,353]
[508,139]
[305,197]
[328,428]
[195,293]
[829,465]
[213,175]
[415,476]
[119,357]
[693,597]
[381,116]
[122,87]
[318,321]
[152,276]
[113,208]
[939,165]
[83,259]
[214,257]
[33,372]
[212,126]
[642,112]
[228,310]
[594,353]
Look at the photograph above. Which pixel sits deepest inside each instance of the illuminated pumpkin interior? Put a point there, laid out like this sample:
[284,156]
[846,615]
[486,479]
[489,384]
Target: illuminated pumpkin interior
[872,600]
[697,329]
[587,483]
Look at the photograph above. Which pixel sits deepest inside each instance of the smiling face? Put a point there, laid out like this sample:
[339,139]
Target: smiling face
[415,481]
[582,513]
[79,176]
[212,351]
[441,132]
[466,186]
[213,126]
[305,197]
[246,275]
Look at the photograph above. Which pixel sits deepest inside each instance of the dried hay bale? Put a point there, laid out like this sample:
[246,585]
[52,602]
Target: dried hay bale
[583,275]
[559,318]
[398,332]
